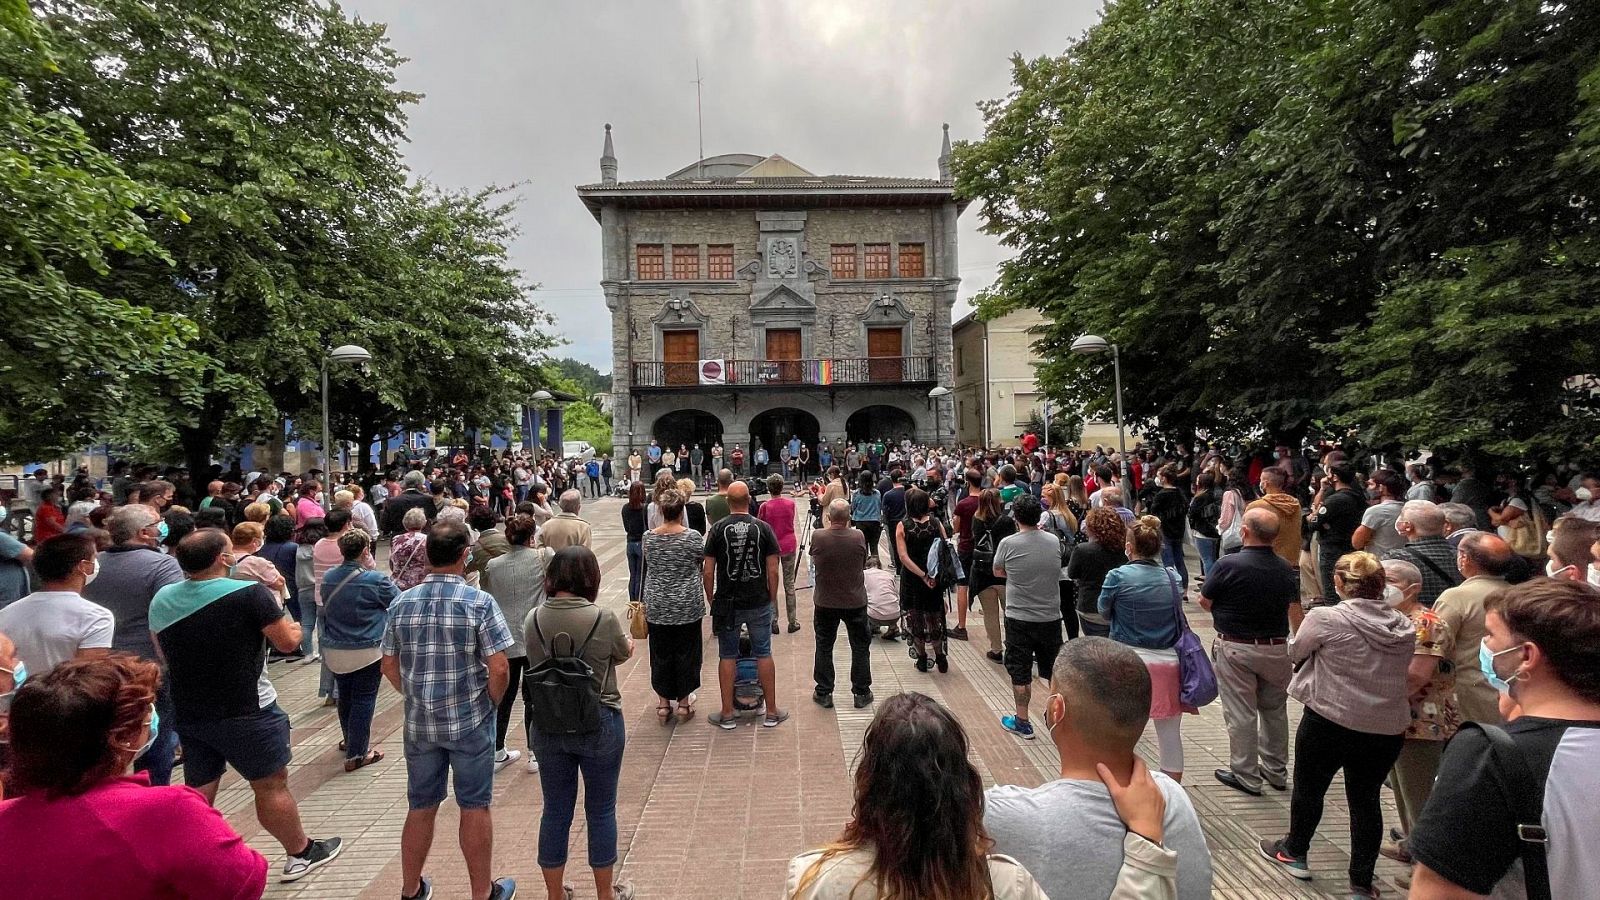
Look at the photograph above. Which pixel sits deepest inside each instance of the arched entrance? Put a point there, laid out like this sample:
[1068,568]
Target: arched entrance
[880,423]
[773,429]
[687,427]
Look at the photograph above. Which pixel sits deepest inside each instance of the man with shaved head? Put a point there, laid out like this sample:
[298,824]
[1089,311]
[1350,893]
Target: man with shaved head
[1066,832]
[741,580]
[1249,594]
[1484,559]
[1422,525]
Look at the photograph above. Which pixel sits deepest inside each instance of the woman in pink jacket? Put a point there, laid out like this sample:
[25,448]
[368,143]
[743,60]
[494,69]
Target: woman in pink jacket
[78,825]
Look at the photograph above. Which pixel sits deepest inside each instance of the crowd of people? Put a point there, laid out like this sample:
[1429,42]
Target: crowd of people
[1442,633]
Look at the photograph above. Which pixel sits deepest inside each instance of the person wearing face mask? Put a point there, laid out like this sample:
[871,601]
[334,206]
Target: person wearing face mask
[1350,661]
[132,570]
[1528,790]
[1569,552]
[1430,681]
[13,672]
[1484,559]
[1097,709]
[55,623]
[77,824]
[1422,525]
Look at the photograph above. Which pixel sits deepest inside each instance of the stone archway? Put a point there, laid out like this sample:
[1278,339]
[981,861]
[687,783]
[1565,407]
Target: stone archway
[775,427]
[880,423]
[687,427]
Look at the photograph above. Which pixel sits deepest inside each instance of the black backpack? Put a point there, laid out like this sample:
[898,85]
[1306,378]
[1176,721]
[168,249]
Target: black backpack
[1052,523]
[562,690]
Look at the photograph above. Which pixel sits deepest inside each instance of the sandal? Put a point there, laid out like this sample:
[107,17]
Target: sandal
[686,707]
[664,712]
[373,756]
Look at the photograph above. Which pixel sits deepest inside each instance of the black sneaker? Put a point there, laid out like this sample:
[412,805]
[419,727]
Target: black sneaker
[1227,777]
[995,656]
[793,627]
[942,662]
[504,889]
[1294,865]
[316,854]
[863,700]
[924,664]
[823,700]
[424,890]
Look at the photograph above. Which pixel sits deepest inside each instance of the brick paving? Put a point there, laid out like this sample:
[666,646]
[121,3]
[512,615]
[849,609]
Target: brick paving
[704,812]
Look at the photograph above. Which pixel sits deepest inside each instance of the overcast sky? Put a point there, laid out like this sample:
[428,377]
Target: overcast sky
[519,92]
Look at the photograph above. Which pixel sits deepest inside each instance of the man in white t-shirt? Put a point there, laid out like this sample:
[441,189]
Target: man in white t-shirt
[55,623]
[1067,832]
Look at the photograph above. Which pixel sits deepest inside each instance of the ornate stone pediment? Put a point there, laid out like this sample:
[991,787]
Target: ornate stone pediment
[783,297]
[680,310]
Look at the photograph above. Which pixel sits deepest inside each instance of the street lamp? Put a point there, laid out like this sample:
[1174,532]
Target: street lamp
[349,354]
[938,392]
[1093,345]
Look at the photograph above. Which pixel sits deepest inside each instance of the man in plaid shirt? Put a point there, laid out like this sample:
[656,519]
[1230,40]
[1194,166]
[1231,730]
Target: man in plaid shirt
[1422,523]
[444,651]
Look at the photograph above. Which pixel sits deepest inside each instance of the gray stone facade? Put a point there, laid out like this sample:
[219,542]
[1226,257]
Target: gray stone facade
[782,224]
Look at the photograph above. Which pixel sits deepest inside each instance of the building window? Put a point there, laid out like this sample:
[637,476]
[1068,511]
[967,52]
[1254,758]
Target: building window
[876,257]
[719,262]
[911,261]
[685,262]
[842,260]
[961,361]
[648,260]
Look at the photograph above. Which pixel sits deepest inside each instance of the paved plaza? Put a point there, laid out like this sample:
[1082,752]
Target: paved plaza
[717,814]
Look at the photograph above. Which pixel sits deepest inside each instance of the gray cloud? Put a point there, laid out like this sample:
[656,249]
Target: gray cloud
[518,93]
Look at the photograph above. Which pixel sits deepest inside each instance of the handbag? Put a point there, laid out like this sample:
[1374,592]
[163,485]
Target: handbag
[1197,681]
[1233,538]
[637,626]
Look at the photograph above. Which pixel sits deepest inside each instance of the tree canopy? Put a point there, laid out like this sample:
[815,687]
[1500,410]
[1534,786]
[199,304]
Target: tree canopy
[244,207]
[1369,218]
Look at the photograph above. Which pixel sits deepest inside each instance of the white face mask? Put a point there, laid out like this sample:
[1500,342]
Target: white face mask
[93,573]
[1393,596]
[1553,570]
[1594,574]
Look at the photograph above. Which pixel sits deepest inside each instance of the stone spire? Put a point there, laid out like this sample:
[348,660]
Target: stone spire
[608,159]
[944,155]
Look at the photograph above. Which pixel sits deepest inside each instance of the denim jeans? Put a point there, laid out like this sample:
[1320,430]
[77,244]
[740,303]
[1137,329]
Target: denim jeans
[1172,555]
[325,684]
[562,757]
[358,698]
[1208,552]
[635,569]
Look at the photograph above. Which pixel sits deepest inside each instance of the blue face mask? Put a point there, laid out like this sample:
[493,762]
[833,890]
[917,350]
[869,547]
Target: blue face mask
[155,729]
[1486,664]
[18,676]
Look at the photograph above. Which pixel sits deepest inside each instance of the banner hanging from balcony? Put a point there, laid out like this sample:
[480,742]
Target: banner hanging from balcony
[821,371]
[713,371]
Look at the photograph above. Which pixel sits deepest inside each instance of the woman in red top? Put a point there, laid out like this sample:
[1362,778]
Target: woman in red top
[80,826]
[48,519]
[778,511]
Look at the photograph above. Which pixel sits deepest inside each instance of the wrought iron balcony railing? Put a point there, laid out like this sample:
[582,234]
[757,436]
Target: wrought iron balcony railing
[785,372]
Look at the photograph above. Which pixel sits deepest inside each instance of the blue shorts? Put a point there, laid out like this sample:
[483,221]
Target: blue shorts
[760,622]
[256,745]
[469,759]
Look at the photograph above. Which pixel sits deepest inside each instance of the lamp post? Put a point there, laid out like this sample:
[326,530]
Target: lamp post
[540,397]
[1093,345]
[351,355]
[938,393]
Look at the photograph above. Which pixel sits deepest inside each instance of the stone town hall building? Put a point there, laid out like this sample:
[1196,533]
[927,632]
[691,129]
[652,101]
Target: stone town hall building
[751,299]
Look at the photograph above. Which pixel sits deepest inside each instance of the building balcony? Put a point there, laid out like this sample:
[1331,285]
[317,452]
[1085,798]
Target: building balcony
[788,373]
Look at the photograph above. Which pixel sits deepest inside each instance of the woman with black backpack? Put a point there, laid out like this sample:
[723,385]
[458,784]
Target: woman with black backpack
[577,722]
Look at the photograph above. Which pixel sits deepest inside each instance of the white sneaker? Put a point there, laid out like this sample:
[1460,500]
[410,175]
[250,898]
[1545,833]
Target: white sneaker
[533,763]
[505,758]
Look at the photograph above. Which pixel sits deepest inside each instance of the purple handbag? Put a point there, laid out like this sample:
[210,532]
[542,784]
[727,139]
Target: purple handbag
[1197,681]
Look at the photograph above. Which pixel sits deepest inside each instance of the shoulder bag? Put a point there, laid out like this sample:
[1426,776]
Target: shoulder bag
[1197,681]
[1524,798]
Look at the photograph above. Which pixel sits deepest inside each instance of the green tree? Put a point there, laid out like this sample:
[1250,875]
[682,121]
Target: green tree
[1490,312]
[587,378]
[276,125]
[73,348]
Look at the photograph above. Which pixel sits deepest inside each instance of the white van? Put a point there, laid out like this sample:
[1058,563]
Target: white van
[577,449]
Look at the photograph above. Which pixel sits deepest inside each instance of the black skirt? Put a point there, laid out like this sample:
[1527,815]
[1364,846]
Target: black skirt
[675,655]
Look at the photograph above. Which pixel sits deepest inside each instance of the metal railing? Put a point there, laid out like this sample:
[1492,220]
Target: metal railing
[786,372]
